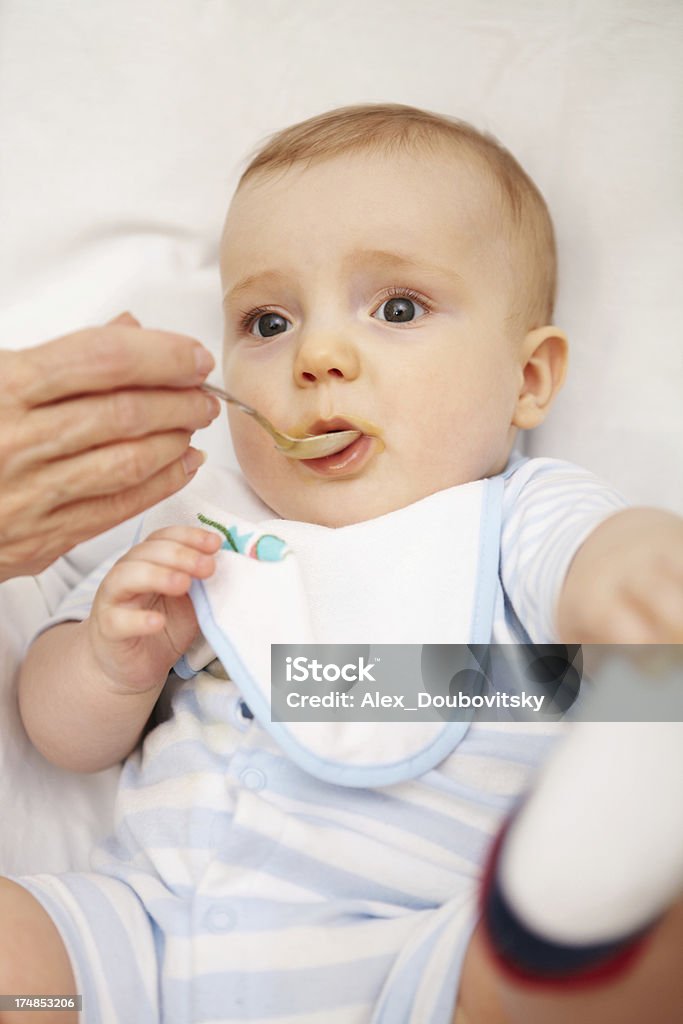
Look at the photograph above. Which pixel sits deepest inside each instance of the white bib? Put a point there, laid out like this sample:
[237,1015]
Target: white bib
[425,574]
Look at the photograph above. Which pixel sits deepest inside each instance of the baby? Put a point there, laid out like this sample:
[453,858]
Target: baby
[390,271]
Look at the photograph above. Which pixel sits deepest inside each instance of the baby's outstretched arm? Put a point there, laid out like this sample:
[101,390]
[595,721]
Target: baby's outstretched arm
[625,583]
[87,689]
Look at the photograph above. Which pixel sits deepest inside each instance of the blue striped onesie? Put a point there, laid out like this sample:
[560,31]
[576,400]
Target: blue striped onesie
[239,887]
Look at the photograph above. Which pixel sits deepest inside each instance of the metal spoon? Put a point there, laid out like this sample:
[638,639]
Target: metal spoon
[312,447]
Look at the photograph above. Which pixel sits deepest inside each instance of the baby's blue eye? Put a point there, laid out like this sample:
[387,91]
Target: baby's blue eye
[399,310]
[268,325]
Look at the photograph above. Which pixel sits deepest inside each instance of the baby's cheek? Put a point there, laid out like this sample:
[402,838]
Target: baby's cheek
[250,443]
[267,472]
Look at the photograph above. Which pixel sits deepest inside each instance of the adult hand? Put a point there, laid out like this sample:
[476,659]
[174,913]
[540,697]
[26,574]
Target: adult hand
[94,428]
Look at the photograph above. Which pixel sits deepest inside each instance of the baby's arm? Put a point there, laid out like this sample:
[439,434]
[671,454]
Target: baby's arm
[625,582]
[87,689]
[613,958]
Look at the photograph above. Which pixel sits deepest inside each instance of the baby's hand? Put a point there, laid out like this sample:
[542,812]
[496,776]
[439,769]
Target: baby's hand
[625,584]
[142,620]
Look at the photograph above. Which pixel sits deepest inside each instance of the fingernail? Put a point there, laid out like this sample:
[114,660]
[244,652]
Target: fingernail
[192,460]
[213,406]
[204,361]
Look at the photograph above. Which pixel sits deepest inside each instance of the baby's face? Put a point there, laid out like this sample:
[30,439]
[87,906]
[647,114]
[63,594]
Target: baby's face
[373,293]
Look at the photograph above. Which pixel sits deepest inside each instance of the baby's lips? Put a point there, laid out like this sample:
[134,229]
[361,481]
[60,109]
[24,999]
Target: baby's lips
[336,423]
[331,426]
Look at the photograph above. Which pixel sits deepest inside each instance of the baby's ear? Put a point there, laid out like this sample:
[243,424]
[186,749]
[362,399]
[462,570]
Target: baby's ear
[543,361]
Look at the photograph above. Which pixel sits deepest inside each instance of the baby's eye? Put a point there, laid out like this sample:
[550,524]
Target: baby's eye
[267,325]
[400,309]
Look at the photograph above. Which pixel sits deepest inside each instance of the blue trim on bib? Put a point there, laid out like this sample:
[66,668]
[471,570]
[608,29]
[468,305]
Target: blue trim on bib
[489,558]
[451,733]
[328,771]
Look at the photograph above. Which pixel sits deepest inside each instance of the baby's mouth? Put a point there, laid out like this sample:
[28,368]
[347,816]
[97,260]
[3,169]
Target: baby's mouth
[332,426]
[337,423]
[351,459]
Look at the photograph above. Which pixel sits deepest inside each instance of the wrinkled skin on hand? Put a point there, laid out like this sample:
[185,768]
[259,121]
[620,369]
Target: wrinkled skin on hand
[95,427]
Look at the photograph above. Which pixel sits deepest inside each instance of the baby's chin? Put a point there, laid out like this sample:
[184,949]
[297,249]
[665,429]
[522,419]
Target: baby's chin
[331,513]
[338,504]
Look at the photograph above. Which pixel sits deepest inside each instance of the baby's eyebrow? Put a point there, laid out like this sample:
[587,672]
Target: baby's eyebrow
[393,260]
[263,277]
[354,259]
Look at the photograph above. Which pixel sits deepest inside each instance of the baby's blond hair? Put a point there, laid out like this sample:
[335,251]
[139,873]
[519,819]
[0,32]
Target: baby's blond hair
[393,127]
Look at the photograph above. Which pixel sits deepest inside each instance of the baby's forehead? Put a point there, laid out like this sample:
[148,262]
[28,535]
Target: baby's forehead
[461,169]
[420,193]
[447,189]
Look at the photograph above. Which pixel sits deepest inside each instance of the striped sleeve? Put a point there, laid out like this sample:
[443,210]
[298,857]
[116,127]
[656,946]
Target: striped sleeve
[549,509]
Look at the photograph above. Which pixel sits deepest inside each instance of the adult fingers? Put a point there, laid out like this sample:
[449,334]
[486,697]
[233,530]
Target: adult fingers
[109,510]
[103,358]
[51,431]
[34,541]
[100,471]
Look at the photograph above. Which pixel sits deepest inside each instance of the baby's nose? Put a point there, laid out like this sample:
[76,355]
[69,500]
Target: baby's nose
[320,360]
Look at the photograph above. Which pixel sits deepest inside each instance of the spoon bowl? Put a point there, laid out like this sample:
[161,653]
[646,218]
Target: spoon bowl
[312,447]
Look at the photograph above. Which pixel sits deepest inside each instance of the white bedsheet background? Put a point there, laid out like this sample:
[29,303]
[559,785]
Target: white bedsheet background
[124,127]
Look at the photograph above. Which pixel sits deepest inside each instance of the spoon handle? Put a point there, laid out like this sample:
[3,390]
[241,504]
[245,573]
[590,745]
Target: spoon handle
[293,447]
[220,393]
[284,441]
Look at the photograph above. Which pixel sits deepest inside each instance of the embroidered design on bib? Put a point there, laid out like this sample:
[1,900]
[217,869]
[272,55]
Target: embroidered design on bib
[265,548]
